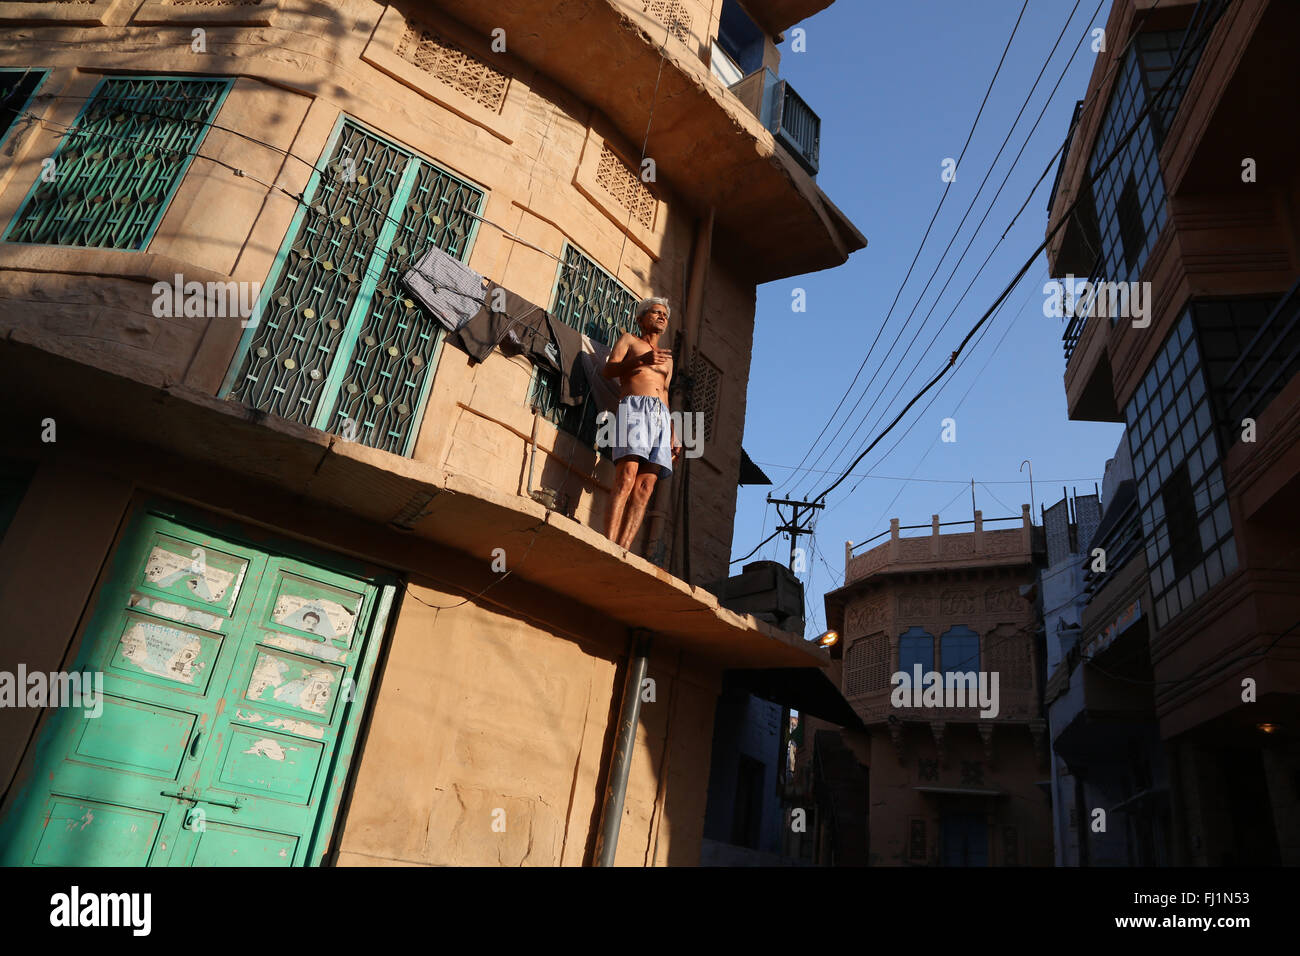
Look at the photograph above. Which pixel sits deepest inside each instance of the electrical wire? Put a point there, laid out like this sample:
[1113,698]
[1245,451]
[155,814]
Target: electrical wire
[969,136]
[1087,102]
[957,231]
[892,375]
[1089,177]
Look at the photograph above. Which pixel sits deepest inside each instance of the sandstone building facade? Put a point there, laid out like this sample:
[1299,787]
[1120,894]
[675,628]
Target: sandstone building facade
[344,581]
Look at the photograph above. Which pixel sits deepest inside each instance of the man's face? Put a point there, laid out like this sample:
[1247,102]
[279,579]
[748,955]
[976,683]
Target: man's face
[654,319]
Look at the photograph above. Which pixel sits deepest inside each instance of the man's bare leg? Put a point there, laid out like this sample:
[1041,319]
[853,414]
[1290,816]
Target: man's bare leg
[624,482]
[644,488]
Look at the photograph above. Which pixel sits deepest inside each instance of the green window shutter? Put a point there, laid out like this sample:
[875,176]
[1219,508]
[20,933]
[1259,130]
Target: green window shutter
[592,301]
[117,168]
[339,338]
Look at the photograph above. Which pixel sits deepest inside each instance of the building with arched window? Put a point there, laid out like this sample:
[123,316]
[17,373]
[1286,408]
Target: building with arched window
[956,761]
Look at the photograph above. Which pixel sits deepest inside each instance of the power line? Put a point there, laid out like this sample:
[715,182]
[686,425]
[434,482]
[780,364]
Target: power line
[934,398]
[969,136]
[1089,177]
[970,242]
[936,481]
[1089,99]
[969,208]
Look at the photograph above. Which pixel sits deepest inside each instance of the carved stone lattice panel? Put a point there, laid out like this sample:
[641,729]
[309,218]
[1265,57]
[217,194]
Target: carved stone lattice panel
[863,564]
[706,386]
[626,187]
[673,15]
[866,665]
[453,66]
[1007,652]
[1002,542]
[956,545]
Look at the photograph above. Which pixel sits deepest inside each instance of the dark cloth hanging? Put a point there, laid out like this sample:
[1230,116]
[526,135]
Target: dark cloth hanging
[569,342]
[487,329]
[522,328]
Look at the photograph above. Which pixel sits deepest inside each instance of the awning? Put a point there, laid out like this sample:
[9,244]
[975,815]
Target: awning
[750,473]
[805,689]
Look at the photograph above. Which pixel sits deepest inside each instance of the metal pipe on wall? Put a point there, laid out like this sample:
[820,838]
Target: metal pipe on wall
[620,764]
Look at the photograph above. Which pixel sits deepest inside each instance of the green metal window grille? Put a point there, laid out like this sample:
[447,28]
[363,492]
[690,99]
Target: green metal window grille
[119,165]
[592,301]
[339,340]
[17,87]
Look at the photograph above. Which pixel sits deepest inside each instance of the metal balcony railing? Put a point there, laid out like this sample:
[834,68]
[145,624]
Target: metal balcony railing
[1080,313]
[784,114]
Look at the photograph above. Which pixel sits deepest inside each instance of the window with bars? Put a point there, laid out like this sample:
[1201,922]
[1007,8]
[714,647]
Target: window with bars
[17,87]
[1186,525]
[592,301]
[340,345]
[118,167]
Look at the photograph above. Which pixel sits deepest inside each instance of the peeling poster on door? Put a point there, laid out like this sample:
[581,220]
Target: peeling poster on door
[314,615]
[163,651]
[166,568]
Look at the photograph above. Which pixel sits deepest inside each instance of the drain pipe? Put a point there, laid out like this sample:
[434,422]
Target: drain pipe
[532,458]
[620,764]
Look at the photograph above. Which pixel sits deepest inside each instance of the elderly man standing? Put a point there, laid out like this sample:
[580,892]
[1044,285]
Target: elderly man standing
[645,445]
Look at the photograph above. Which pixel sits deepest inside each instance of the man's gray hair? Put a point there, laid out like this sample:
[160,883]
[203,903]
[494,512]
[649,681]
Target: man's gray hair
[645,305]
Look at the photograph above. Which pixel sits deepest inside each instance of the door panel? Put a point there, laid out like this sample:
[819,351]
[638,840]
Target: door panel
[87,833]
[230,682]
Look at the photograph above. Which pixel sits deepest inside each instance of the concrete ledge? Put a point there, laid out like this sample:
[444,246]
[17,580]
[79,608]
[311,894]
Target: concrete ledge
[446,509]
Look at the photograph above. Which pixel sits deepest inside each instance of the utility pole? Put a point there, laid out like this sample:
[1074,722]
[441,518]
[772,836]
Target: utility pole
[796,521]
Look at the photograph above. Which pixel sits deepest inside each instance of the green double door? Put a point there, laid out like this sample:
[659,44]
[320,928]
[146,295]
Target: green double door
[233,683]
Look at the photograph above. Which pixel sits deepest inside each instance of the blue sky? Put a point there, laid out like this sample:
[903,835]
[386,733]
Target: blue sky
[897,86]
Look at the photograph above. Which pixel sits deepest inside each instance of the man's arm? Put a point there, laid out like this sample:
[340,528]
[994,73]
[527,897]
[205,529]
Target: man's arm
[617,358]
